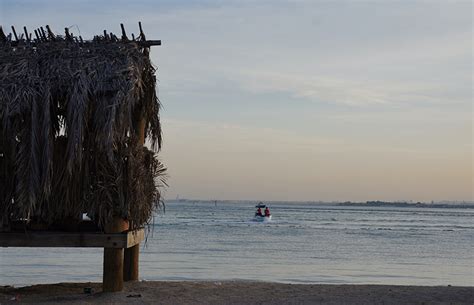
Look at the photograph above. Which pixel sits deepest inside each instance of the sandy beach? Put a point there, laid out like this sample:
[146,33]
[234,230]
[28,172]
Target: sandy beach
[236,293]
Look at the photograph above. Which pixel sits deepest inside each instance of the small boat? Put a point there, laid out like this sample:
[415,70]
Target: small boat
[261,218]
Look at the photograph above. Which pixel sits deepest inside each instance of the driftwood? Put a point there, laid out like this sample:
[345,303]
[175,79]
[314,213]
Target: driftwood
[69,112]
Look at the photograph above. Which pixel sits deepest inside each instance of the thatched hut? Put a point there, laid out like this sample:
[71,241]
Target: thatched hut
[73,118]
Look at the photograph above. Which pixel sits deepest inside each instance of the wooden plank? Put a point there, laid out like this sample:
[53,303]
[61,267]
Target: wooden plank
[135,237]
[71,240]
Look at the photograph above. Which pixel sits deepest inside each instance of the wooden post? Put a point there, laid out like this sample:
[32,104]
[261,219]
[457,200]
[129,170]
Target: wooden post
[130,266]
[113,278]
[113,259]
[141,131]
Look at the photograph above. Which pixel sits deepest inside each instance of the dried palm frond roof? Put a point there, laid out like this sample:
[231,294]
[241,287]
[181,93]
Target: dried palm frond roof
[71,114]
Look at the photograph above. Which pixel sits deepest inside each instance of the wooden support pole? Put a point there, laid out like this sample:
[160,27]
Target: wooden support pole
[113,265]
[142,35]
[113,259]
[124,35]
[131,264]
[132,254]
[14,33]
[50,33]
[43,33]
[3,37]
[37,36]
[26,33]
[141,131]
[68,36]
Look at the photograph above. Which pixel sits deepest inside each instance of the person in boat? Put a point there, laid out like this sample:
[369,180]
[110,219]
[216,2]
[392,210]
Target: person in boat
[259,212]
[267,212]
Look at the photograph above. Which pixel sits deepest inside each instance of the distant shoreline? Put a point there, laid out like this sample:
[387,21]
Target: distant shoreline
[439,205]
[409,205]
[235,292]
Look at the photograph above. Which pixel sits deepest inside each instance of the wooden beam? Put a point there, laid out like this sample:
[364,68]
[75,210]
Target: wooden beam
[40,38]
[73,240]
[149,43]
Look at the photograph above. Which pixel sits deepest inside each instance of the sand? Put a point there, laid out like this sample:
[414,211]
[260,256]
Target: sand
[239,292]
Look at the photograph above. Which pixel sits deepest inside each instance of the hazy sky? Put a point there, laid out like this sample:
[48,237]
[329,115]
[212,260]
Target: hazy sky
[300,100]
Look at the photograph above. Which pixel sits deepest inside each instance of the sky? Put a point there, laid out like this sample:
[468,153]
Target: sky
[300,100]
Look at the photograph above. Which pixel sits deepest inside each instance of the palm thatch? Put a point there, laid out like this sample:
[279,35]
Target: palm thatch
[70,113]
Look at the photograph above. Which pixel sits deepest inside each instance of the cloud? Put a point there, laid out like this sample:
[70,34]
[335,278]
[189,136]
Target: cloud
[394,65]
[350,91]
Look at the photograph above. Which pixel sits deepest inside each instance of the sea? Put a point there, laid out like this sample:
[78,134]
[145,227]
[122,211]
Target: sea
[304,243]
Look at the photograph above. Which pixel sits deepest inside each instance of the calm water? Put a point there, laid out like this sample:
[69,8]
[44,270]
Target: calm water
[303,244]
